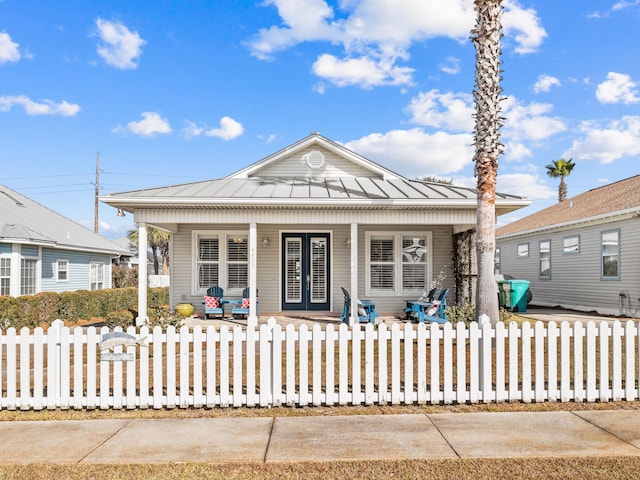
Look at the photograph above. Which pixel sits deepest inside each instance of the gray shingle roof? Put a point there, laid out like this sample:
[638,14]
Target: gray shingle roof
[607,200]
[24,220]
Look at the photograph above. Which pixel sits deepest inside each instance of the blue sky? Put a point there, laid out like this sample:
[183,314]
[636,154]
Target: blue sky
[174,92]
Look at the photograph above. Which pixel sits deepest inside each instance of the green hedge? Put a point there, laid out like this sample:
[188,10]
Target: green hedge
[43,308]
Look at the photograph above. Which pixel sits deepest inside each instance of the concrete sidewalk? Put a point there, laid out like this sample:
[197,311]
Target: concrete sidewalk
[327,438]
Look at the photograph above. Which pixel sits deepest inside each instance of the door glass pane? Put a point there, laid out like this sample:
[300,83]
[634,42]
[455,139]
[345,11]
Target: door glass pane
[318,269]
[293,270]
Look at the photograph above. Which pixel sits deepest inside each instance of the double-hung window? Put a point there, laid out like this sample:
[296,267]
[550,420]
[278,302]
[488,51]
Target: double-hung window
[96,273]
[5,276]
[28,276]
[220,259]
[62,270]
[544,249]
[496,260]
[397,263]
[237,261]
[610,248]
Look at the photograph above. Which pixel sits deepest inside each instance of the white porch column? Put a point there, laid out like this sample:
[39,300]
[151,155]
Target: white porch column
[252,319]
[354,274]
[16,268]
[142,274]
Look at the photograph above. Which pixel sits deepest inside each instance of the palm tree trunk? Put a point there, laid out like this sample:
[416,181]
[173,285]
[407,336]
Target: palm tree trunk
[487,96]
[562,190]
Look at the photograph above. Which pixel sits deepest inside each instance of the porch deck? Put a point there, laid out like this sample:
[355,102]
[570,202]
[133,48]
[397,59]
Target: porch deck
[294,318]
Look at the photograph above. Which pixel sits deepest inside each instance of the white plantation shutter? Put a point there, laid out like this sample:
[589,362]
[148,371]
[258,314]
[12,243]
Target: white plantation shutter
[382,265]
[414,263]
[399,263]
[208,262]
[237,262]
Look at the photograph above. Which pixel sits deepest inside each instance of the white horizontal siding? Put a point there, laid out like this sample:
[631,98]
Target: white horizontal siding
[334,166]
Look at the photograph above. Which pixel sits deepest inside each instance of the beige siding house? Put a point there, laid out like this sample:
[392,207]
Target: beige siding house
[299,224]
[582,253]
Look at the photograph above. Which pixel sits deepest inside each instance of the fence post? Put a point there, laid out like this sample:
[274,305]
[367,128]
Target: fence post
[54,334]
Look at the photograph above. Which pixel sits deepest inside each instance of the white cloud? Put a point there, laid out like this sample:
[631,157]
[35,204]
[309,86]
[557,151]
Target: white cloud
[46,107]
[618,139]
[544,83]
[525,123]
[617,88]
[229,129]
[375,35]
[451,65]
[363,71]
[526,185]
[151,124]
[452,111]
[9,51]
[415,152]
[524,25]
[529,122]
[120,47]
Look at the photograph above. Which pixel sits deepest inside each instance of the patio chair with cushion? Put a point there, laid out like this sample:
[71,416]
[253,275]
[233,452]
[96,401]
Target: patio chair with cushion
[241,307]
[212,302]
[366,310]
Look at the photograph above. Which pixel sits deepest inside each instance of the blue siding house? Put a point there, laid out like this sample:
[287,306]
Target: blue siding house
[42,251]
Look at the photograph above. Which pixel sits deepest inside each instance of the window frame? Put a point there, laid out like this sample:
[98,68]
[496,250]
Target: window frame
[99,283]
[617,255]
[30,288]
[59,262]
[222,261]
[564,247]
[522,255]
[540,275]
[398,262]
[5,280]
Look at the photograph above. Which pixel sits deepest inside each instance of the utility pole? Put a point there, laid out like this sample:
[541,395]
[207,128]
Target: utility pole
[95,212]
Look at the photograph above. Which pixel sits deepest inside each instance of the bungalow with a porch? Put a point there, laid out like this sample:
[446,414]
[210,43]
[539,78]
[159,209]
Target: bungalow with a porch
[303,222]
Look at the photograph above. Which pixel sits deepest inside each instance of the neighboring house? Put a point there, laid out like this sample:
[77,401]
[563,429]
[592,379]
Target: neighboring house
[303,222]
[130,259]
[582,253]
[42,251]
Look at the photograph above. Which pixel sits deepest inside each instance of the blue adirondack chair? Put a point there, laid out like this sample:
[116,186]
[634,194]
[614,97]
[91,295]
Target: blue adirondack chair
[441,314]
[238,309]
[412,306]
[211,310]
[366,310]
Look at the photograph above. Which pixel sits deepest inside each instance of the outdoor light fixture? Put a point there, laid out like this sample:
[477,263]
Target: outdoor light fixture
[348,242]
[265,242]
[120,212]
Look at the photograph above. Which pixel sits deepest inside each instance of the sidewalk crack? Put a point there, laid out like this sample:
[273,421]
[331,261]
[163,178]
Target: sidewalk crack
[104,441]
[266,450]
[443,437]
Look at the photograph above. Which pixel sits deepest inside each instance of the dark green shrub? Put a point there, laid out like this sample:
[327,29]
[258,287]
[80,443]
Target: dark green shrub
[119,318]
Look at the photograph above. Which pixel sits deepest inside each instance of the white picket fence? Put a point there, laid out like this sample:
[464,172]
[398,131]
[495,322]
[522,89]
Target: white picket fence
[280,365]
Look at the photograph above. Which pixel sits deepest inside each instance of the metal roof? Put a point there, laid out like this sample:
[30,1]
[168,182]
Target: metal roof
[24,221]
[248,189]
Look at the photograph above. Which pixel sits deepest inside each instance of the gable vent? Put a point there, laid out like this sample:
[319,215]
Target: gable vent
[314,159]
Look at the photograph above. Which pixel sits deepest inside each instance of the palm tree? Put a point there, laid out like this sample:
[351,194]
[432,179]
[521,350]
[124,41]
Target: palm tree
[487,96]
[560,168]
[158,241]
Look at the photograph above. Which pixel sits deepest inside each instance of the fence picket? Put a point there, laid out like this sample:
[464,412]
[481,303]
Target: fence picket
[321,366]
